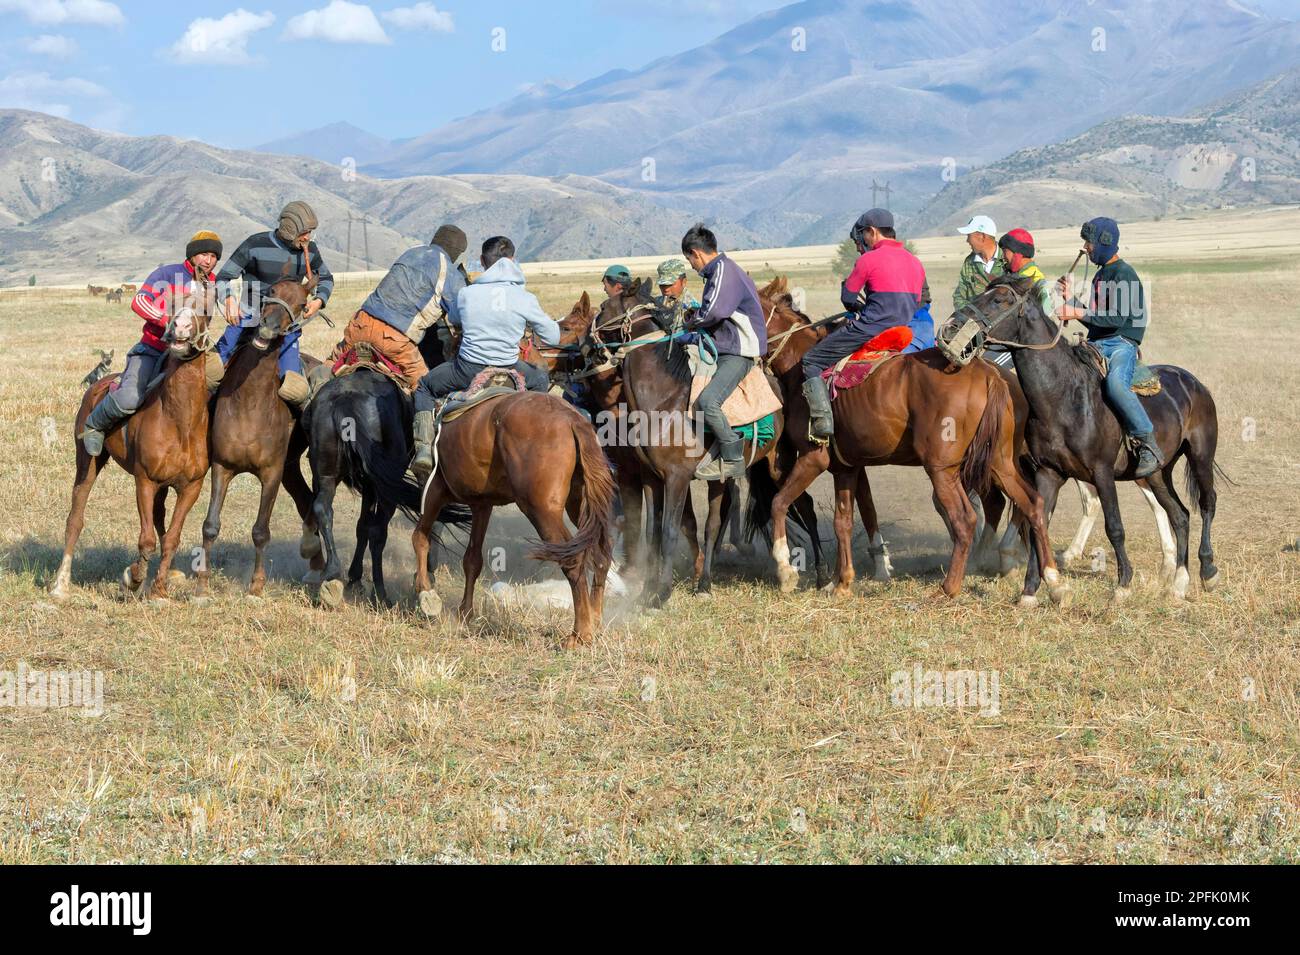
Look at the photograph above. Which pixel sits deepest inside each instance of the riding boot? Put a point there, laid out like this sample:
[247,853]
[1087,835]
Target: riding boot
[1150,460]
[294,389]
[213,371]
[725,460]
[422,463]
[821,421]
[102,418]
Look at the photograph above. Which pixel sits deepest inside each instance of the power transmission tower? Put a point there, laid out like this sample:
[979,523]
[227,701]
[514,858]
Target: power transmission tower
[876,190]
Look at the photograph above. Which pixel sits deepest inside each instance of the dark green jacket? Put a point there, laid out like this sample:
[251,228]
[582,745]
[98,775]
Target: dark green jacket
[1118,304]
[973,280]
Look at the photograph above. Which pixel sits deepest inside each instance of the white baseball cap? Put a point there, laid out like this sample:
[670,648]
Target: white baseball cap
[979,224]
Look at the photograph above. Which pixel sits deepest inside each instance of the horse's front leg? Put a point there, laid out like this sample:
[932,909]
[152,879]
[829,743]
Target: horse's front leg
[135,573]
[845,484]
[221,476]
[472,564]
[270,479]
[185,499]
[719,495]
[805,471]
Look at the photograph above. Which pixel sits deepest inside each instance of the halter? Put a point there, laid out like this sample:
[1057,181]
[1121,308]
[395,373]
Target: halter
[968,339]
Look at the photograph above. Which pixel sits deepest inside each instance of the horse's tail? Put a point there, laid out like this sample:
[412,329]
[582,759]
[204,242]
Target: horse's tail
[976,466]
[763,490]
[591,548]
[372,457]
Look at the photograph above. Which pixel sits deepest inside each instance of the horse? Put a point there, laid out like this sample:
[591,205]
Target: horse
[359,430]
[654,383]
[915,410]
[253,431]
[164,446]
[113,296]
[1071,431]
[540,453]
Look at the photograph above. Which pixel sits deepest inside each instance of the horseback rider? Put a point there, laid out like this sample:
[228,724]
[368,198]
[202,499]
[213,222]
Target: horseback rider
[883,291]
[418,293]
[159,299]
[977,270]
[1017,248]
[1116,319]
[616,281]
[732,316]
[261,260]
[672,301]
[493,314]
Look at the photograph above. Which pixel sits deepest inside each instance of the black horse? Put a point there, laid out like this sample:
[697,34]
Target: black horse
[359,426]
[1072,433]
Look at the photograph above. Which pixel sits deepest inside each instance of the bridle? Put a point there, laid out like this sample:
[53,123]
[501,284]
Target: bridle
[962,341]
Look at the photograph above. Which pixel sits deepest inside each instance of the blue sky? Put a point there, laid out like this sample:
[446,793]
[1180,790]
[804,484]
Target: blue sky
[237,75]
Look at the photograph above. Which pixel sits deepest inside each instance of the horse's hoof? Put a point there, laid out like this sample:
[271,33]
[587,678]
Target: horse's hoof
[1121,595]
[331,593]
[430,603]
[312,578]
[1211,582]
[1069,556]
[787,578]
[1061,596]
[129,583]
[1027,601]
[841,591]
[1178,589]
[1167,573]
[59,592]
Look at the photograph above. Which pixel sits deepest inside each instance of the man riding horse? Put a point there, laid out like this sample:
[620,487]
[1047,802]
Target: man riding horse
[493,314]
[262,260]
[672,301]
[1116,319]
[418,294]
[1017,248]
[733,318]
[157,302]
[883,291]
[978,269]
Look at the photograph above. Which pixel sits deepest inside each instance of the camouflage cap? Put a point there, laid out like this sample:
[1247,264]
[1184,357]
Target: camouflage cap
[670,270]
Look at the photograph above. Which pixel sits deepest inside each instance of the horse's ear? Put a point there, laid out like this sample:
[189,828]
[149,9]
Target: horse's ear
[584,303]
[645,294]
[780,283]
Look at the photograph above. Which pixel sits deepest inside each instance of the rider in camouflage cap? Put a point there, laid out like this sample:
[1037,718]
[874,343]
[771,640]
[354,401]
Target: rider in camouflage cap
[670,270]
[672,299]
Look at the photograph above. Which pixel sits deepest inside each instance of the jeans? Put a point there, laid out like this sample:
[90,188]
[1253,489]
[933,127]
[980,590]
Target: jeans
[730,372]
[1121,357]
[456,375]
[289,360]
[142,363]
[845,340]
[922,326]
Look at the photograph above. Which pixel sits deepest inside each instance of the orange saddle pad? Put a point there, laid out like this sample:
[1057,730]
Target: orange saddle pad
[854,369]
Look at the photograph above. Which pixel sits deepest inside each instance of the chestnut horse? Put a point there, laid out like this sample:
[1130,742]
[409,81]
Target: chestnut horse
[253,431]
[538,452]
[164,446]
[916,410]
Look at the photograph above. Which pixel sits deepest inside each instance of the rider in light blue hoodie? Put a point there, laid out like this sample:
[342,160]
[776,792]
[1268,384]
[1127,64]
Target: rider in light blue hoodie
[494,313]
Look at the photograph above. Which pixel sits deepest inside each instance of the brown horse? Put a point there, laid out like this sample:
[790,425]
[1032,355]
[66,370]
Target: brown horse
[915,410]
[254,432]
[164,446]
[539,453]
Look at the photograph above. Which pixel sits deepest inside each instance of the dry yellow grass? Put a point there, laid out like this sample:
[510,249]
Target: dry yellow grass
[278,731]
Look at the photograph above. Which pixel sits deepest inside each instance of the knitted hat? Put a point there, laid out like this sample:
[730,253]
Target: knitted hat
[1103,233]
[451,240]
[203,241]
[1018,240]
[295,219]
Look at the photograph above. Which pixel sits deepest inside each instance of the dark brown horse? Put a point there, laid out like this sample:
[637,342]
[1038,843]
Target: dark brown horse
[164,446]
[916,410]
[654,382]
[539,453]
[254,432]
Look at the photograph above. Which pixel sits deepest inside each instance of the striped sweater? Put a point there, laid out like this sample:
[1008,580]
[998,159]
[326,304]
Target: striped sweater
[156,302]
[262,260]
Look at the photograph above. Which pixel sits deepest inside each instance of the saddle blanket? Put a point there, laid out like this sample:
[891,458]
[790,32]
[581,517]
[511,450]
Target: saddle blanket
[363,355]
[852,370]
[752,400]
[1145,380]
[487,384]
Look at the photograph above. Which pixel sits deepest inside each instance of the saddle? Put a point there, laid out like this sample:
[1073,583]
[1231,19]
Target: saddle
[364,355]
[852,370]
[1145,381]
[755,399]
[488,384]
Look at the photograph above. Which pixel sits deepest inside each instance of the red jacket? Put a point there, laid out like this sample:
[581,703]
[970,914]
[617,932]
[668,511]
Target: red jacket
[158,298]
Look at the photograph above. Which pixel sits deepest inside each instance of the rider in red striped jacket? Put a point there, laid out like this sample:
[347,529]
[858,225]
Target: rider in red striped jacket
[157,302]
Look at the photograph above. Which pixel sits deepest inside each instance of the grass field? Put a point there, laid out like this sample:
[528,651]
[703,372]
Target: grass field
[745,727]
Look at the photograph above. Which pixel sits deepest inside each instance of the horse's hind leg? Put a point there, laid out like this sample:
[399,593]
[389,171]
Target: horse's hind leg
[435,497]
[88,469]
[871,524]
[472,564]
[551,528]
[378,541]
[1179,519]
[364,515]
[331,588]
[171,538]
[309,545]
[991,507]
[691,530]
[262,530]
[805,471]
[845,485]
[1168,546]
[1200,485]
[713,525]
[959,515]
[806,509]
[221,476]
[135,573]
[1035,507]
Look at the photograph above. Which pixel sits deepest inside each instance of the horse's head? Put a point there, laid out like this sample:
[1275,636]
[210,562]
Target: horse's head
[187,330]
[618,313]
[574,325]
[783,315]
[1004,312]
[282,307]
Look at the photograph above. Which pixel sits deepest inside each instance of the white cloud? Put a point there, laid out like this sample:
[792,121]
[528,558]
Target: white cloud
[59,47]
[215,42]
[45,94]
[422,16]
[340,22]
[55,12]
